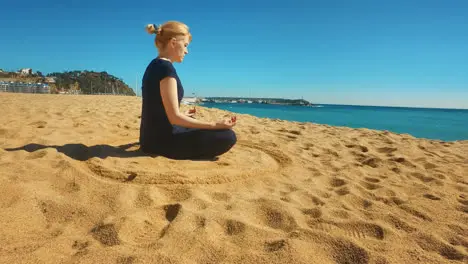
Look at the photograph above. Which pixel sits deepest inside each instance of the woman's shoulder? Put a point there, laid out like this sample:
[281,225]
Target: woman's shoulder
[162,62]
[158,69]
[158,64]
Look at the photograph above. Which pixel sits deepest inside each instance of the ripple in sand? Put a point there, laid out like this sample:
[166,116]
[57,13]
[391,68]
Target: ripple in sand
[148,170]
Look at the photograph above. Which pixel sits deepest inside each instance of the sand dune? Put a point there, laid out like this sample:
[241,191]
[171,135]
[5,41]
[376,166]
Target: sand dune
[75,189]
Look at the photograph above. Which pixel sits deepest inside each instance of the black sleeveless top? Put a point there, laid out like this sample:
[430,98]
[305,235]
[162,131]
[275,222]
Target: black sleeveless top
[155,128]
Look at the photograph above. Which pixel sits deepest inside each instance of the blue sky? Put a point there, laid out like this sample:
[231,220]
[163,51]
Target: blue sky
[406,53]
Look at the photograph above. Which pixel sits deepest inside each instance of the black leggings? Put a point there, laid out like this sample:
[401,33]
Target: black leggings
[200,144]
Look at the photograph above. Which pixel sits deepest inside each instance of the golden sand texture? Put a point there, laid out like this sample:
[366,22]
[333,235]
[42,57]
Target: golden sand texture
[75,189]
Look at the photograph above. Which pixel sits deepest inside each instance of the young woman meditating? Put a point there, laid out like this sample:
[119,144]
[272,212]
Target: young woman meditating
[164,130]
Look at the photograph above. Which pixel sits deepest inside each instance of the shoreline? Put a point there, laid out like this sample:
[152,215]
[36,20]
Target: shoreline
[287,120]
[214,105]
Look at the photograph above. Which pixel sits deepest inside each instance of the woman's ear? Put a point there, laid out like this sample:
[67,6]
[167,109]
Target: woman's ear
[173,42]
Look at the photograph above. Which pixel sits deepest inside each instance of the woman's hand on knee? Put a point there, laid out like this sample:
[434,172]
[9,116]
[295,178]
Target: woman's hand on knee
[191,112]
[225,123]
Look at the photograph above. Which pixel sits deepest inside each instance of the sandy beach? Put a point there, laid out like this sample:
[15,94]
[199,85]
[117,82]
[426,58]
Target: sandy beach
[75,189]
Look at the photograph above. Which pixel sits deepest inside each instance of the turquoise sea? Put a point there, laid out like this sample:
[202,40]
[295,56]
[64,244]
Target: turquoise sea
[430,123]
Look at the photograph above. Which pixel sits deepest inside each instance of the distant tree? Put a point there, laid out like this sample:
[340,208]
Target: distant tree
[91,82]
[53,88]
[39,74]
[75,87]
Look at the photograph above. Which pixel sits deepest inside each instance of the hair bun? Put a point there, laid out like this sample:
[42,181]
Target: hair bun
[152,29]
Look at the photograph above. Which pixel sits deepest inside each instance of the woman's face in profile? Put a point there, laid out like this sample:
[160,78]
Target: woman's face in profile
[180,47]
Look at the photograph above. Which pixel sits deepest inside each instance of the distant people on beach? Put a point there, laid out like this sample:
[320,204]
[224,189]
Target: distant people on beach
[164,130]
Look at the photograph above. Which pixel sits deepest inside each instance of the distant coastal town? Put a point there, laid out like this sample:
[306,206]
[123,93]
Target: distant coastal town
[102,83]
[244,100]
[69,82]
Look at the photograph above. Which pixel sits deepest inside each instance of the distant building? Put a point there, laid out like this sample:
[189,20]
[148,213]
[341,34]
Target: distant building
[26,71]
[3,86]
[50,80]
[190,100]
[21,87]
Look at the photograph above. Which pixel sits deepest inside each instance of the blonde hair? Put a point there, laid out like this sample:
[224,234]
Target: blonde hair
[167,31]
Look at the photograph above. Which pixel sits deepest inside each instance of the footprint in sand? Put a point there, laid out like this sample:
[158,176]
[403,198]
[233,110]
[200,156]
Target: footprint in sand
[59,213]
[346,252]
[426,179]
[172,210]
[386,150]
[313,212]
[340,214]
[140,230]
[307,146]
[432,244]
[463,209]
[287,134]
[415,212]
[463,199]
[337,182]
[353,229]
[371,161]
[125,260]
[274,216]
[81,247]
[429,166]
[276,245]
[431,197]
[339,185]
[399,224]
[106,234]
[370,179]
[314,199]
[233,227]
[359,147]
[143,199]
[458,229]
[221,196]
[200,221]
[402,161]
[38,124]
[342,191]
[458,240]
[370,186]
[177,194]
[150,170]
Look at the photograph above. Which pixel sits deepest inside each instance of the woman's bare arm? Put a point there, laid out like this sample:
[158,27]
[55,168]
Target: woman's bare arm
[171,105]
